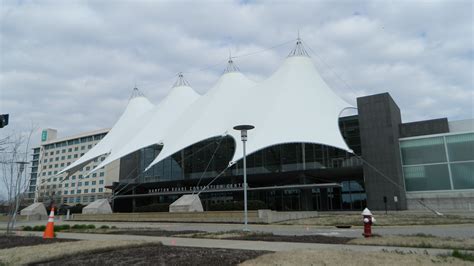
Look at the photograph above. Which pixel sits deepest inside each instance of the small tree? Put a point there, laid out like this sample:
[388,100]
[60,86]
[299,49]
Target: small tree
[13,160]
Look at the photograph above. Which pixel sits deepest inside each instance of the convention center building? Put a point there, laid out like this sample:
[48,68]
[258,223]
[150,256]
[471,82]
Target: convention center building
[303,153]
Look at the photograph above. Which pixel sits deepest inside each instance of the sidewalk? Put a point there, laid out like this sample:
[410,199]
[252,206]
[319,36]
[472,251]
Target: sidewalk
[241,244]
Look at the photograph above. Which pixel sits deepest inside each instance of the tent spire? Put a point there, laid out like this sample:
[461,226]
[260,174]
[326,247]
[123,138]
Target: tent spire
[299,48]
[136,93]
[231,67]
[181,81]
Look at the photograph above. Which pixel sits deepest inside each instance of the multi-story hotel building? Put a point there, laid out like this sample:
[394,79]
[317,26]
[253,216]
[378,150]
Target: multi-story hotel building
[54,154]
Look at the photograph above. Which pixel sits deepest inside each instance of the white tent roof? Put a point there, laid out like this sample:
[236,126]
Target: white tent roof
[209,116]
[161,118]
[293,105]
[133,116]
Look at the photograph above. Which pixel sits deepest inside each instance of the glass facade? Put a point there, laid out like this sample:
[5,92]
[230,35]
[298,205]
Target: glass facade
[438,163]
[291,164]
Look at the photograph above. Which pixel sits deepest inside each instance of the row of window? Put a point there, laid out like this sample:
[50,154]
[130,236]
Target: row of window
[79,184]
[68,150]
[79,191]
[74,141]
[60,165]
[85,199]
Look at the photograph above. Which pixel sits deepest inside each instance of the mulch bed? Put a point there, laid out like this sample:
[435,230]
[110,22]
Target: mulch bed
[20,241]
[164,233]
[322,239]
[299,239]
[157,254]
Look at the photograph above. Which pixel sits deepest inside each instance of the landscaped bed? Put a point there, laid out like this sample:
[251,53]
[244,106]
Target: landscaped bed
[12,241]
[157,254]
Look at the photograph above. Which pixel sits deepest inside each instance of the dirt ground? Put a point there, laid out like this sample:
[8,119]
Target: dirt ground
[31,254]
[19,241]
[156,254]
[422,241]
[383,219]
[346,257]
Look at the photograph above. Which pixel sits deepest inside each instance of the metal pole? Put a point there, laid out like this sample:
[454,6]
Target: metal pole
[245,188]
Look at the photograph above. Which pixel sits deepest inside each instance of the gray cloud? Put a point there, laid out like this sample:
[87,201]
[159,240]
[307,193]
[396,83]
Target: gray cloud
[71,65]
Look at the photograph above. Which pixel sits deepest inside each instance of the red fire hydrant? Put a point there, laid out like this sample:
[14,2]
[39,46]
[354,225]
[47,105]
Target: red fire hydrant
[368,221]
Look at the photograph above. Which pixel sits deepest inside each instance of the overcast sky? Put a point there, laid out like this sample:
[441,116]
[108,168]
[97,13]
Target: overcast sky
[72,65]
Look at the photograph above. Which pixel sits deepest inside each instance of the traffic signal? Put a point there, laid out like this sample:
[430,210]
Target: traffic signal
[3,120]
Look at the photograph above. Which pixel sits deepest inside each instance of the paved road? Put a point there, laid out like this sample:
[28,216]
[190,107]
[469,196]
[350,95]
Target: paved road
[242,244]
[458,231]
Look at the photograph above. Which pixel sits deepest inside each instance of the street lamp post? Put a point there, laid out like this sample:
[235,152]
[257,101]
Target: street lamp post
[243,131]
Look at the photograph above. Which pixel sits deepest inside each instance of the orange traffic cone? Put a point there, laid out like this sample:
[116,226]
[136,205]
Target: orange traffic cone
[49,231]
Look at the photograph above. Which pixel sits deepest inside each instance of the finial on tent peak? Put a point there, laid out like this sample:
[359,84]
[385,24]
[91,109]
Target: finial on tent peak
[136,93]
[299,49]
[181,81]
[231,67]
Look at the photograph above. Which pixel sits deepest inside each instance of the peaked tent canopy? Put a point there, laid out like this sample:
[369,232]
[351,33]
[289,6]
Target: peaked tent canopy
[210,116]
[133,116]
[293,105]
[161,118]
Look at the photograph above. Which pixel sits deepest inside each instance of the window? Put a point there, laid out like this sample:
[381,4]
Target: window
[56,165]
[423,151]
[83,148]
[79,184]
[49,179]
[88,168]
[86,183]
[101,174]
[76,148]
[73,177]
[57,152]
[463,175]
[93,190]
[460,147]
[63,151]
[73,184]
[78,191]
[86,190]
[69,156]
[80,176]
[427,177]
[50,166]
[63,157]
[66,185]
[94,175]
[62,164]
[93,183]
[69,150]
[101,190]
[89,146]
[55,179]
[57,158]
[60,185]
[71,192]
[65,192]
[101,182]
[75,155]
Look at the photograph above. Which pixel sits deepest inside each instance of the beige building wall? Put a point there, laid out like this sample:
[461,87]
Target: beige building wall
[56,154]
